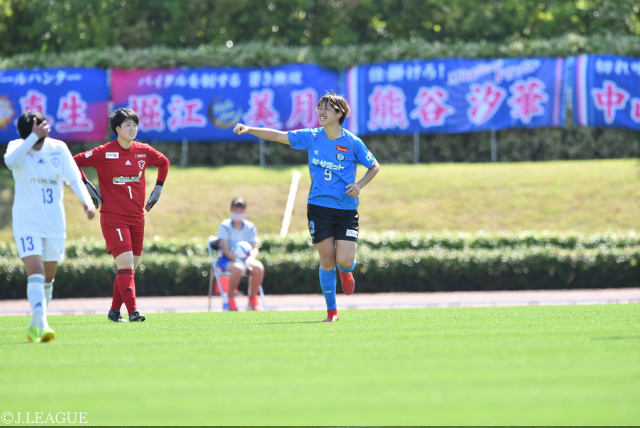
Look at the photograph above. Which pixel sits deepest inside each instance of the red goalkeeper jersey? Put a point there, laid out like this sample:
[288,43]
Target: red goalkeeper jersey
[121,178]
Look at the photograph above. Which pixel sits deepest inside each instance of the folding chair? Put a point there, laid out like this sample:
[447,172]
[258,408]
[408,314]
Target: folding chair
[213,247]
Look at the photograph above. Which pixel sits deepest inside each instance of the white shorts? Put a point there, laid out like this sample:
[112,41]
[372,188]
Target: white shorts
[51,249]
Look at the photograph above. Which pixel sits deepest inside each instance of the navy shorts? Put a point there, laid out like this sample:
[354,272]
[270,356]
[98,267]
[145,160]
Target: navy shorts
[325,223]
[222,262]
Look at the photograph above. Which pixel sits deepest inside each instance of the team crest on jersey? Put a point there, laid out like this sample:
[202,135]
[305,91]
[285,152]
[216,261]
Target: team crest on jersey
[141,164]
[342,149]
[112,155]
[55,161]
[340,156]
[315,152]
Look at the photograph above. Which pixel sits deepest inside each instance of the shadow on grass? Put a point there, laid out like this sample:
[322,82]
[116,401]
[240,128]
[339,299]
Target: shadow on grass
[287,323]
[25,343]
[618,338]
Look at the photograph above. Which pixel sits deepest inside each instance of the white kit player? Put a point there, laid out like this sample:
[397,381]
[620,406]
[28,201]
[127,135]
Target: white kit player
[40,165]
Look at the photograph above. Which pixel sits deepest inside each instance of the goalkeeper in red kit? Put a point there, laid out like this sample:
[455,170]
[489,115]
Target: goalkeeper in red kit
[121,165]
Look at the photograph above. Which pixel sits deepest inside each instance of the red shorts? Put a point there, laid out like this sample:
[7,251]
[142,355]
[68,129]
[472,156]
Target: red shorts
[121,238]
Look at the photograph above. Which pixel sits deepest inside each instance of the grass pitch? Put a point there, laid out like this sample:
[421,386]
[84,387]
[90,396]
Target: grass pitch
[580,196]
[550,365]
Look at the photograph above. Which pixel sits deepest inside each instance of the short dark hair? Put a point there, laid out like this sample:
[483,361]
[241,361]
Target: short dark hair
[238,202]
[338,102]
[120,116]
[25,122]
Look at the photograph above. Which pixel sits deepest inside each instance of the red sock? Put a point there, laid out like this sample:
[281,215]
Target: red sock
[127,287]
[116,302]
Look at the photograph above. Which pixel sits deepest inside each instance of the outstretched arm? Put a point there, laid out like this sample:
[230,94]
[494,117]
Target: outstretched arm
[263,133]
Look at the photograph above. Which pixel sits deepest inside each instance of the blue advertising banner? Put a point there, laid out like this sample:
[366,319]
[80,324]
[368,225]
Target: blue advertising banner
[205,104]
[456,95]
[75,102]
[607,91]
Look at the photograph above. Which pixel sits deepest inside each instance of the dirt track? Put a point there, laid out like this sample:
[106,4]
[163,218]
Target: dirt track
[355,301]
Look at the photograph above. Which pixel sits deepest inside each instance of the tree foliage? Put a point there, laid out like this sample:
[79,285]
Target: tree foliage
[256,54]
[28,26]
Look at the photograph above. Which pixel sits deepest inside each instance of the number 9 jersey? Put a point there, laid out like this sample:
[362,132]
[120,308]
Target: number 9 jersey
[121,176]
[332,165]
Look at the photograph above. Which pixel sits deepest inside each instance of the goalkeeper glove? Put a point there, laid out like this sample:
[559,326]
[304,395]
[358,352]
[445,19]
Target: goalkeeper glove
[153,197]
[93,192]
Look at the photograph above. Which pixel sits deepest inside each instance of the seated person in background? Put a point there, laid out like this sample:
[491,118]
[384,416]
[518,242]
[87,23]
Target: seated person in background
[233,232]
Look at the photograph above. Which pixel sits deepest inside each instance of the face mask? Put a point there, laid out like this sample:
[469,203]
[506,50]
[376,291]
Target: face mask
[237,216]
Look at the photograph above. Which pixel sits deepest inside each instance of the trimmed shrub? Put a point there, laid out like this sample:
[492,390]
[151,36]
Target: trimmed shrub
[418,264]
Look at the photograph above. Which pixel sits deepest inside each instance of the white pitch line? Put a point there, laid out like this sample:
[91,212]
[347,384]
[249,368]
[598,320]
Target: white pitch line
[293,189]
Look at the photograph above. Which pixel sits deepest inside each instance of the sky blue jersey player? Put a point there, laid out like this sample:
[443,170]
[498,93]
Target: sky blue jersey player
[332,213]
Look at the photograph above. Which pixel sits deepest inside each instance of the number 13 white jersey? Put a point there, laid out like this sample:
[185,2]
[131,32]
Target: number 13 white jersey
[38,207]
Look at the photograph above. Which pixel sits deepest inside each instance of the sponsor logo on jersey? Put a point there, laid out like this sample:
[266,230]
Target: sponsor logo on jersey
[141,164]
[45,180]
[340,156]
[124,180]
[143,155]
[327,165]
[112,155]
[369,155]
[342,149]
[88,154]
[55,154]
[352,233]
[127,163]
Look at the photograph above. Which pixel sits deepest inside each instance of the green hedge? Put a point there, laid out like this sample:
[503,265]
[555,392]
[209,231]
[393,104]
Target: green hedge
[393,241]
[257,54]
[386,263]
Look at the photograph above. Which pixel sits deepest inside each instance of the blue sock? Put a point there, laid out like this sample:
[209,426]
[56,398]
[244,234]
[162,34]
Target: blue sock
[350,269]
[328,284]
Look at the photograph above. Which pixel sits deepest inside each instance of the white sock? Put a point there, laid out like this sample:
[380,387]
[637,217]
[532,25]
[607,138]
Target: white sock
[48,291]
[35,294]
